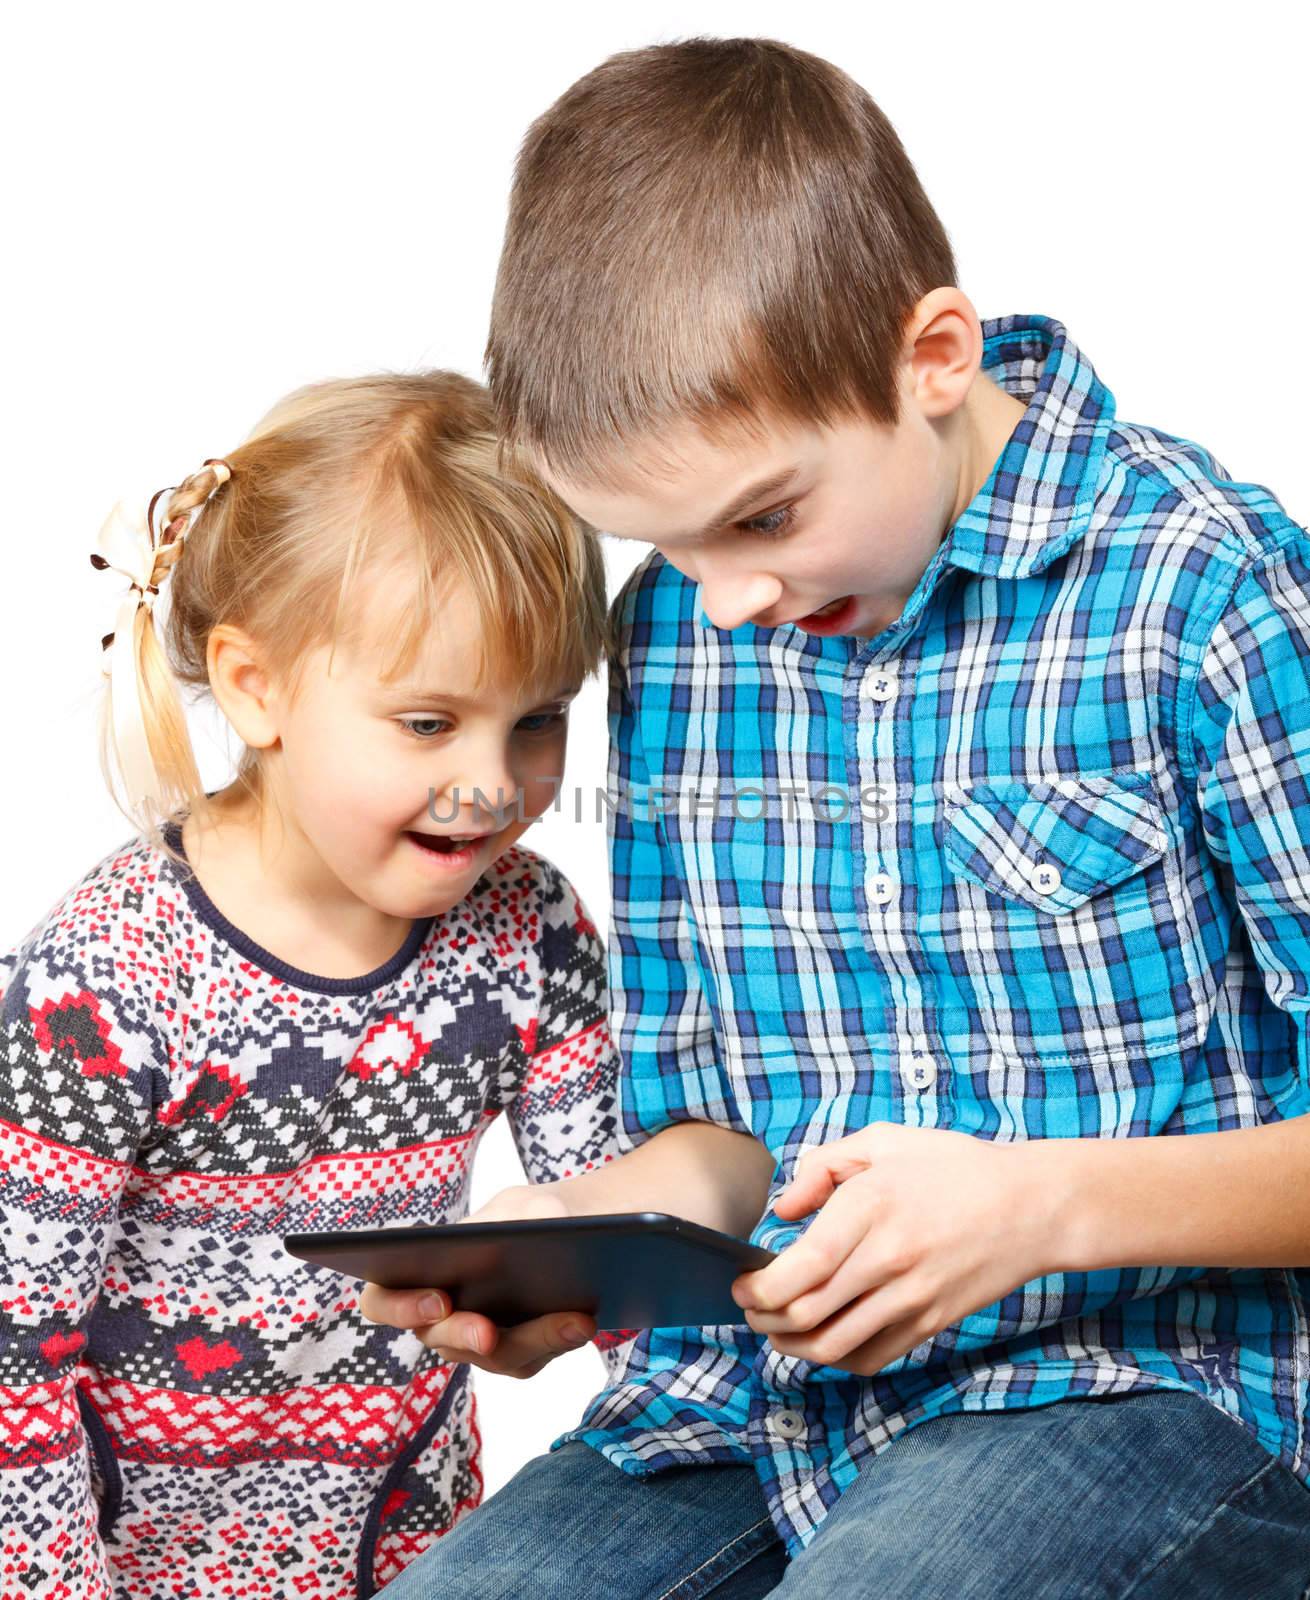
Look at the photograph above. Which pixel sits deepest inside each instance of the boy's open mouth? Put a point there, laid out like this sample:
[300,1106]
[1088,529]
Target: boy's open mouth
[831,618]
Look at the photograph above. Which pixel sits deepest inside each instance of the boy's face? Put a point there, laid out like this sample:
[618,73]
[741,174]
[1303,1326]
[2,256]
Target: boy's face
[829,528]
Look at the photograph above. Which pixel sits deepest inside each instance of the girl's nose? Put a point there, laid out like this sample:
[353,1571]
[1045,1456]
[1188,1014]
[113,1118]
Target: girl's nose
[480,788]
[731,599]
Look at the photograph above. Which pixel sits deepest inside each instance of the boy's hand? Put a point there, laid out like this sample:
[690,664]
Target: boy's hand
[917,1227]
[518,1352]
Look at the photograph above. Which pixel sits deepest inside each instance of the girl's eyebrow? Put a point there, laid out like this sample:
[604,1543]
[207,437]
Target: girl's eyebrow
[744,501]
[461,702]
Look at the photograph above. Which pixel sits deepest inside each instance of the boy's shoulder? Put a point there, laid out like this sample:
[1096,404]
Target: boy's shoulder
[1159,488]
[652,600]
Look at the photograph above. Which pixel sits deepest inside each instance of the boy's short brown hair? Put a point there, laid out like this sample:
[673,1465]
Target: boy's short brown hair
[707,230]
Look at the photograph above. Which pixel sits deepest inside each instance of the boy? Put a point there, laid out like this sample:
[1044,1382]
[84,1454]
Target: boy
[1021,694]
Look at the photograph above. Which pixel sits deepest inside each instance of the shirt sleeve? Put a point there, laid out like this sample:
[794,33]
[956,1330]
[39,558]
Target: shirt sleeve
[662,1017]
[1250,740]
[75,1101]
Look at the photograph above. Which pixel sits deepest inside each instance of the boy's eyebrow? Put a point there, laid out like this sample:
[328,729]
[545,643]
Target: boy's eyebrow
[745,500]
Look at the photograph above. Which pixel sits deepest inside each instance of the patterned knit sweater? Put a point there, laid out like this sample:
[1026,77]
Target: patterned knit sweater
[185,1409]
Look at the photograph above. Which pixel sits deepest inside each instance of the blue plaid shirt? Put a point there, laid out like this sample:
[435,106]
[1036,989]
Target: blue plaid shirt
[1059,887]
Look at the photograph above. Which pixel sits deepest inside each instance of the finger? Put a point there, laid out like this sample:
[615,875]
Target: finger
[532,1344]
[811,1186]
[858,1327]
[863,1270]
[821,1170]
[467,1331]
[517,1352]
[403,1308]
[813,1259]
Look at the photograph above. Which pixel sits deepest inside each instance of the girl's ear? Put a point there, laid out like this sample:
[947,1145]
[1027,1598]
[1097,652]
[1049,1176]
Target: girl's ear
[243,689]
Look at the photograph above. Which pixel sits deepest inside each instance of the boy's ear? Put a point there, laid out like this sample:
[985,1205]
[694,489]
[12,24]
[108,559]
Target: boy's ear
[241,686]
[943,351]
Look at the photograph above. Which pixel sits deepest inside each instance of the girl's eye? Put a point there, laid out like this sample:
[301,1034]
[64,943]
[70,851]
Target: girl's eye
[771,523]
[541,721]
[423,727]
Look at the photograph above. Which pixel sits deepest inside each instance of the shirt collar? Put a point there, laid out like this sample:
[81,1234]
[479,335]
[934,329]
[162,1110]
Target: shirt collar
[1038,500]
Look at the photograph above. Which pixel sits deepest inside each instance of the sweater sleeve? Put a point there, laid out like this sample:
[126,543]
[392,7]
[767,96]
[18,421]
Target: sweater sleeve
[76,1065]
[563,1114]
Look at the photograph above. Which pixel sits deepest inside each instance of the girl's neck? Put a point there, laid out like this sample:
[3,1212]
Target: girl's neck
[272,886]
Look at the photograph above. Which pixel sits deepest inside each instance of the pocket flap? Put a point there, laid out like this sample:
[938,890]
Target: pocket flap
[1094,831]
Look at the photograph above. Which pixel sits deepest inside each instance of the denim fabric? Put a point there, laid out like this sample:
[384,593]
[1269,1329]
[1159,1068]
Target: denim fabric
[1154,1495]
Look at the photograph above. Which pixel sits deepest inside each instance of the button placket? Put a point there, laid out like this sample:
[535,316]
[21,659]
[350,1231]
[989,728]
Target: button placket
[919,1072]
[888,917]
[880,684]
[881,889]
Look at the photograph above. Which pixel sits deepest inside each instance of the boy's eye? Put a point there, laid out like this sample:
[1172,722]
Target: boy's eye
[771,523]
[423,727]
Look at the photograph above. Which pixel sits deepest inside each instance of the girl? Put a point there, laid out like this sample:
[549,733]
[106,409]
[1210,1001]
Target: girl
[293,1003]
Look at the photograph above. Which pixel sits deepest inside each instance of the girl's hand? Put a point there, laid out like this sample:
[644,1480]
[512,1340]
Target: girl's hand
[518,1352]
[917,1227]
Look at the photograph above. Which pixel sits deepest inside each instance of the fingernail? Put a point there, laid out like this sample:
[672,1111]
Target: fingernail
[431,1307]
[574,1333]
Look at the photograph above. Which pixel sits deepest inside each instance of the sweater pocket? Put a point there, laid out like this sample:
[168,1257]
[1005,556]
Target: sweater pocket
[365,1585]
[106,1479]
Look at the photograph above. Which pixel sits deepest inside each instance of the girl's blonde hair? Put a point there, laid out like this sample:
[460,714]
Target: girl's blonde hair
[320,489]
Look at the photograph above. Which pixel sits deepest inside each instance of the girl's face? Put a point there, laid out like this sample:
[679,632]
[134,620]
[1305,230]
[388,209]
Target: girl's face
[407,791]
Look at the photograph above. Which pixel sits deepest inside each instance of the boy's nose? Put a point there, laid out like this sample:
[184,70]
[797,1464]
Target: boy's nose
[731,600]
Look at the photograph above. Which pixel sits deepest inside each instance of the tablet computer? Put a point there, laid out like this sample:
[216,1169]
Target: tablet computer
[640,1269]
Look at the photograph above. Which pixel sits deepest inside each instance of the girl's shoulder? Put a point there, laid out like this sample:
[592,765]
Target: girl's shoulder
[528,899]
[82,995]
[546,944]
[122,903]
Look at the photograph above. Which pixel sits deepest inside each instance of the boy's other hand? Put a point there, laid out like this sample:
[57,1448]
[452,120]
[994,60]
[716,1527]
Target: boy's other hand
[517,1352]
[916,1228]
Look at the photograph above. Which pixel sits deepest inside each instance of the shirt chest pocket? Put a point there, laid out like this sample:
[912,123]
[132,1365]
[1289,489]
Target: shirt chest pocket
[1061,913]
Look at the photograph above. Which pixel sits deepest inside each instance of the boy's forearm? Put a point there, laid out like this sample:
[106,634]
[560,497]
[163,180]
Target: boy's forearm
[697,1170]
[1239,1198]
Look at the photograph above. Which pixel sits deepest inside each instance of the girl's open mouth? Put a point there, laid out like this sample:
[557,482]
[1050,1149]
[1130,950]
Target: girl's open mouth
[452,850]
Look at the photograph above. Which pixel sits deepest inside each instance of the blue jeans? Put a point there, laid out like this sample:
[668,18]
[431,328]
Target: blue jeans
[1157,1495]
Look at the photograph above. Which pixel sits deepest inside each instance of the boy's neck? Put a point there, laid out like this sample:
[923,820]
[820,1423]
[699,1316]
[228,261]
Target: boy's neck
[981,427]
[990,416]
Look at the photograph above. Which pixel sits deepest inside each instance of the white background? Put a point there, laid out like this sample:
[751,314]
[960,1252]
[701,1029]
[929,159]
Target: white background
[206,206]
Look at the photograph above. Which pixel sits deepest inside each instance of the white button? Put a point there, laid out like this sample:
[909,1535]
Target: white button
[918,1073]
[880,685]
[1044,878]
[881,888]
[787,1424]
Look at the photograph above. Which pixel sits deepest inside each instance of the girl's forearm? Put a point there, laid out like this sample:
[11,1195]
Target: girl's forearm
[697,1170]
[1240,1198]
